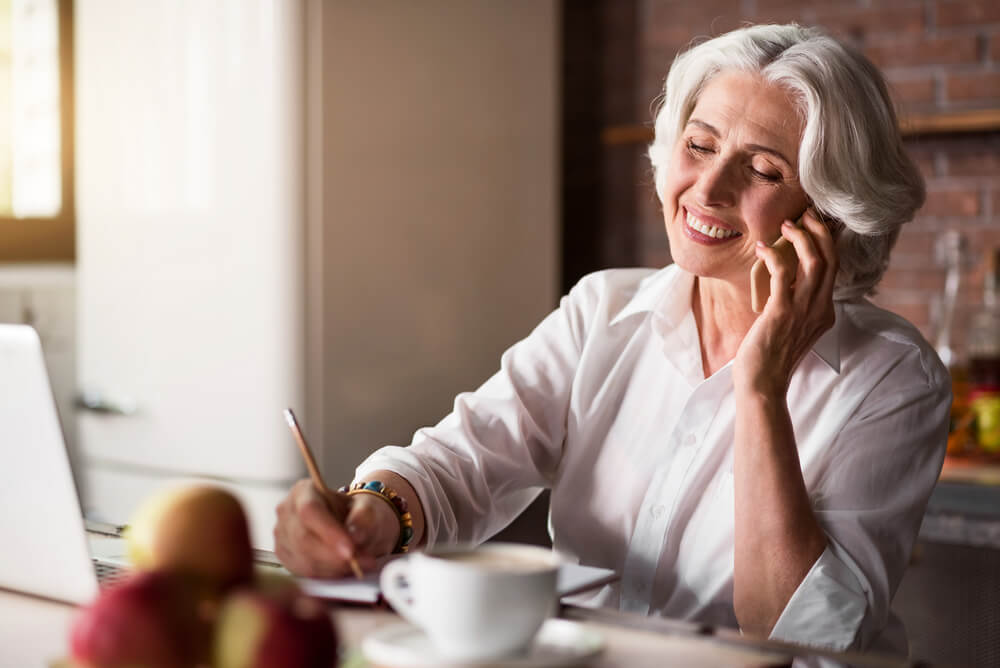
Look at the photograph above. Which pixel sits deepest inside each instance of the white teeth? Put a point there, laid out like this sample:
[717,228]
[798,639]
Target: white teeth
[710,230]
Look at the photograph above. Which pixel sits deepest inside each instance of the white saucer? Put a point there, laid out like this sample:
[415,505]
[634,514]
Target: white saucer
[559,643]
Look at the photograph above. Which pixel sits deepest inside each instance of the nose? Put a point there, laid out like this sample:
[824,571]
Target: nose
[717,184]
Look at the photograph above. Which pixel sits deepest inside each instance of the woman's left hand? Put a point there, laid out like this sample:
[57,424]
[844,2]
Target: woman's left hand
[798,312]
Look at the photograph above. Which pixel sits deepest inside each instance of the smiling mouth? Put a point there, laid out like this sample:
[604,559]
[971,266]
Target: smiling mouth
[708,230]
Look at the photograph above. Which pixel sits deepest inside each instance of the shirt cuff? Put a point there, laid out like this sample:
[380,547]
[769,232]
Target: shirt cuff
[829,605]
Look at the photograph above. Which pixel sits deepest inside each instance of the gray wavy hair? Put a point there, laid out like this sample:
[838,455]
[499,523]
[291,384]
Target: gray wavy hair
[852,163]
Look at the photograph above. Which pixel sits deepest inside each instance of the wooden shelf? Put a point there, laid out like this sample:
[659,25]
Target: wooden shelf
[973,471]
[975,120]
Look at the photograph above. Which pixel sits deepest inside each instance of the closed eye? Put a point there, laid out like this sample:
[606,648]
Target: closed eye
[698,148]
[773,178]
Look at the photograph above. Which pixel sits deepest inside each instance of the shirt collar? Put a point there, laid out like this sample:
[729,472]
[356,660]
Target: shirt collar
[827,348]
[667,293]
[663,293]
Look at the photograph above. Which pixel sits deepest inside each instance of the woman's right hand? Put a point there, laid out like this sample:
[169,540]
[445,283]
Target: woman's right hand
[317,535]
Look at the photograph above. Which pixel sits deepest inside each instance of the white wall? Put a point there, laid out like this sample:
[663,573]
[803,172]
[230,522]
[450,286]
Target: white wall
[433,207]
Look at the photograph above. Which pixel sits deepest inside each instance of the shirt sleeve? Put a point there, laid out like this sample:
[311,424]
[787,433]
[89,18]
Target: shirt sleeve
[870,498]
[478,468]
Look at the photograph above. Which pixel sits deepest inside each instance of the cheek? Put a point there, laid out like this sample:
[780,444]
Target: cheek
[678,179]
[770,212]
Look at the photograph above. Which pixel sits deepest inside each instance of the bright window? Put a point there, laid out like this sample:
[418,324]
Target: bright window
[35,176]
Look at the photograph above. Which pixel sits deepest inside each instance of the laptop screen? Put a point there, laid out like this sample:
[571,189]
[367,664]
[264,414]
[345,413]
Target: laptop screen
[45,543]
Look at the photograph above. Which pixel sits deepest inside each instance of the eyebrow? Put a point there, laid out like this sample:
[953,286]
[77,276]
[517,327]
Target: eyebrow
[759,148]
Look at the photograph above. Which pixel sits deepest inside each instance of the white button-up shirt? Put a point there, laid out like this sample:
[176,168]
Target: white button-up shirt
[607,404]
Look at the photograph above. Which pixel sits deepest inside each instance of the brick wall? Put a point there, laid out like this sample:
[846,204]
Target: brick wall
[938,55]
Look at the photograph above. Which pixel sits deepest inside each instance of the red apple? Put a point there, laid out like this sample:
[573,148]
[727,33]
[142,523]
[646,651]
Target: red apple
[198,529]
[154,619]
[274,626]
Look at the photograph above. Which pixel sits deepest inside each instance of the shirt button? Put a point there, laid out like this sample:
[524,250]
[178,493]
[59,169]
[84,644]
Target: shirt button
[689,440]
[657,511]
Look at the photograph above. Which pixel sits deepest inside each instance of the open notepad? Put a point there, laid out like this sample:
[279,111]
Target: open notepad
[572,579]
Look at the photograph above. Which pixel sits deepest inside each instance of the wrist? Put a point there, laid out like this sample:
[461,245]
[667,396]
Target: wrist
[393,501]
[759,382]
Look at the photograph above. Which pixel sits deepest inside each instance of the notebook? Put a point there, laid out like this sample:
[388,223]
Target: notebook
[47,551]
[572,579]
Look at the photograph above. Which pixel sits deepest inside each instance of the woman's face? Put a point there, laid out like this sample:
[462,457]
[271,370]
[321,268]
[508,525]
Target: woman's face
[733,176]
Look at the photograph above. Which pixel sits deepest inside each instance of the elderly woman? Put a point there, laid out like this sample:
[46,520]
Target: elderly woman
[761,470]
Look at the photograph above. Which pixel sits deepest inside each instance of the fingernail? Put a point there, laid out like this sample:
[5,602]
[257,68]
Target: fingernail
[761,244]
[789,224]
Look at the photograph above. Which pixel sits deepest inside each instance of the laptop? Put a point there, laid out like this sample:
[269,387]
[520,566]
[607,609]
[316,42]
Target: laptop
[47,549]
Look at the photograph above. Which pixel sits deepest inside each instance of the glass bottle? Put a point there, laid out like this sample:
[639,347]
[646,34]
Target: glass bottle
[951,252]
[984,360]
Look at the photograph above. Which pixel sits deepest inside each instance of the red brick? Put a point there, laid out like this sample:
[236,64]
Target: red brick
[925,163]
[912,91]
[785,5]
[857,23]
[948,50]
[781,11]
[914,309]
[996,203]
[977,86]
[679,22]
[980,239]
[671,37]
[986,163]
[967,12]
[928,280]
[915,242]
[995,47]
[953,202]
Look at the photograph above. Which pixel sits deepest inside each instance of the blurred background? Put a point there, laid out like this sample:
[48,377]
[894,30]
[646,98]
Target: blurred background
[213,210]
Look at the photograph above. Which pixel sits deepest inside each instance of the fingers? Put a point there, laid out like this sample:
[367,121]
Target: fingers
[316,516]
[781,266]
[309,538]
[372,525]
[825,244]
[812,264]
[307,556]
[816,273]
[317,535]
[817,255]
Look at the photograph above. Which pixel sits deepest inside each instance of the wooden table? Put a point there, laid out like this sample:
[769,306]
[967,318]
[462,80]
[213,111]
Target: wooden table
[33,633]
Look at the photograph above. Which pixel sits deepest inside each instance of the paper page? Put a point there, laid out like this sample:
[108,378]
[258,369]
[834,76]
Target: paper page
[365,590]
[572,579]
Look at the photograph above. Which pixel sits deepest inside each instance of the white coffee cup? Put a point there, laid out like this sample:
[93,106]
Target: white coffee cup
[475,603]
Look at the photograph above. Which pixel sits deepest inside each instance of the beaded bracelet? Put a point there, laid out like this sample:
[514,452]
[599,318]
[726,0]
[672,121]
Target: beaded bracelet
[395,501]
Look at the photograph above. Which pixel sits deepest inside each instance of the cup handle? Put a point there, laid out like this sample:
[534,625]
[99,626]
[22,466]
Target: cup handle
[394,583]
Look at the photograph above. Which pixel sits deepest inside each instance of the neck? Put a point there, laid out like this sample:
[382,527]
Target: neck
[723,315]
